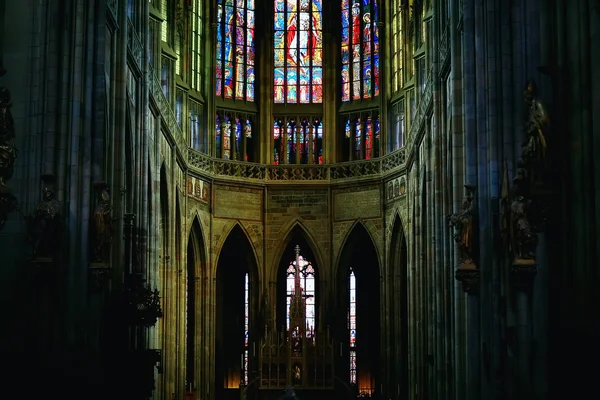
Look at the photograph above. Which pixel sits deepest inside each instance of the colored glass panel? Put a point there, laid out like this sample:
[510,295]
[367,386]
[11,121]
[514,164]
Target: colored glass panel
[352,326]
[307,283]
[360,49]
[235,73]
[298,52]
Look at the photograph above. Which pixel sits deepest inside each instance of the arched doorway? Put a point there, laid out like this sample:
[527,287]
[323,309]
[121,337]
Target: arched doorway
[359,305]
[196,262]
[237,290]
[399,310]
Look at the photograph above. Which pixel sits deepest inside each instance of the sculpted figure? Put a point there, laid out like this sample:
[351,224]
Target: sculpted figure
[463,225]
[525,240]
[8,151]
[44,224]
[102,225]
[536,130]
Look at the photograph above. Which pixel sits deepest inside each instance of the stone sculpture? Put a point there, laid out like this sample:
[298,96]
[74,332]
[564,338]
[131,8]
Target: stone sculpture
[462,222]
[45,223]
[102,225]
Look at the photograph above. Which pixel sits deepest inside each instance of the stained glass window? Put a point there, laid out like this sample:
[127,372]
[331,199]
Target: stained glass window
[235,49]
[298,51]
[234,136]
[307,283]
[360,49]
[246,319]
[196,45]
[397,46]
[298,140]
[362,136]
[352,327]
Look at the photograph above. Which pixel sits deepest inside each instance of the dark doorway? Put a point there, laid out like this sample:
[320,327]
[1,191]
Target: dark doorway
[358,297]
[399,310]
[234,354]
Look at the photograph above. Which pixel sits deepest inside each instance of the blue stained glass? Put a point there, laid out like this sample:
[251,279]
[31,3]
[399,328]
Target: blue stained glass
[279,5]
[235,49]
[279,21]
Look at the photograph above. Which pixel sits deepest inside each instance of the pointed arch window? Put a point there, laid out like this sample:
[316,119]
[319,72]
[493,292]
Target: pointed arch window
[307,285]
[235,72]
[360,49]
[352,326]
[298,52]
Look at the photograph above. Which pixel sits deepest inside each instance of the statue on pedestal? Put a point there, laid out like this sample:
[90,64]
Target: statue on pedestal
[45,223]
[525,239]
[536,128]
[102,226]
[462,222]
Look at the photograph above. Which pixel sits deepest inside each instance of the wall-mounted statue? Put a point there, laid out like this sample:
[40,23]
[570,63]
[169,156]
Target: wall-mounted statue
[8,151]
[46,221]
[462,222]
[102,226]
[525,240]
[536,128]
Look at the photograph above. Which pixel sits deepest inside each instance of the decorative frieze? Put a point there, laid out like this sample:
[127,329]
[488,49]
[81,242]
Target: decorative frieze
[396,188]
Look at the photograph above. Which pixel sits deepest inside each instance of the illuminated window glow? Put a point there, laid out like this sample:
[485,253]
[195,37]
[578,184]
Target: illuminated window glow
[235,49]
[360,49]
[307,283]
[246,319]
[352,327]
[298,51]
[298,141]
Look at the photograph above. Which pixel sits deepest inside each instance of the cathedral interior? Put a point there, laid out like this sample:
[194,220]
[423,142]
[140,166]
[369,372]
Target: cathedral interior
[310,199]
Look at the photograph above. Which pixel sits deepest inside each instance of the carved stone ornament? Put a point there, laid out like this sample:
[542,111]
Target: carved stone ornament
[469,277]
[142,304]
[45,224]
[102,226]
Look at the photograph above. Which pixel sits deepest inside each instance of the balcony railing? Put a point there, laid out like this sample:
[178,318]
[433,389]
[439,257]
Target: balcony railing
[216,167]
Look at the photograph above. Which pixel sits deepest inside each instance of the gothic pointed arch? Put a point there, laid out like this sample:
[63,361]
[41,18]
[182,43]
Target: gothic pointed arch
[297,238]
[294,229]
[357,328]
[358,226]
[196,269]
[237,293]
[398,336]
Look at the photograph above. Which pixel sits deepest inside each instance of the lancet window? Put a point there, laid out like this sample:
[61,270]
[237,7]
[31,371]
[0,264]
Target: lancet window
[234,136]
[235,66]
[246,329]
[298,140]
[361,135]
[298,52]
[302,277]
[352,326]
[360,49]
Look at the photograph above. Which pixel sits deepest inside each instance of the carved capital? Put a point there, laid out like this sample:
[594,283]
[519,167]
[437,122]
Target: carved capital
[99,276]
[468,275]
[522,274]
